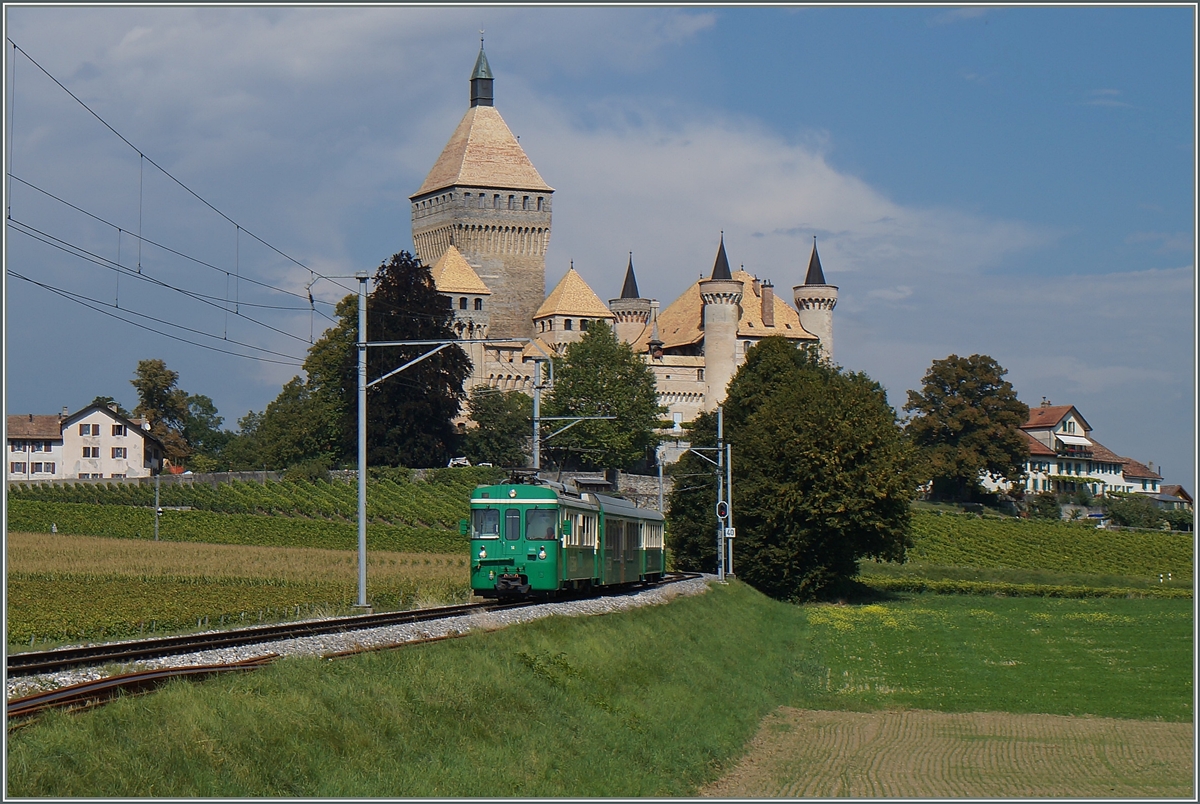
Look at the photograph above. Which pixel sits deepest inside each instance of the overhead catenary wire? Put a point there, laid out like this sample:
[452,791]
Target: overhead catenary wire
[82,253]
[177,253]
[161,169]
[89,302]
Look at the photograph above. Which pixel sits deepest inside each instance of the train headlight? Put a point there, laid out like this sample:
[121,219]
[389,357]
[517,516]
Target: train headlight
[542,553]
[483,552]
[491,575]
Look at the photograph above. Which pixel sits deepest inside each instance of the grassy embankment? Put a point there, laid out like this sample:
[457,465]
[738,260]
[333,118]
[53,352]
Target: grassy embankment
[658,701]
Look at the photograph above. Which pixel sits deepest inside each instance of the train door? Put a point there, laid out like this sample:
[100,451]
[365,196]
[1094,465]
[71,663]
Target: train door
[610,536]
[512,534]
[622,549]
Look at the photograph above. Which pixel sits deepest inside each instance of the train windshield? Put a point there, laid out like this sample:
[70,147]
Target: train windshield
[485,522]
[539,524]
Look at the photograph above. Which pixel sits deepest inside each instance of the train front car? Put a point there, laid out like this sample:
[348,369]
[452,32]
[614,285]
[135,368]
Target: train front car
[516,540]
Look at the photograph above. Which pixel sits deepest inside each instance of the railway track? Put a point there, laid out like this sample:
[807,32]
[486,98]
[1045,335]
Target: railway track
[52,661]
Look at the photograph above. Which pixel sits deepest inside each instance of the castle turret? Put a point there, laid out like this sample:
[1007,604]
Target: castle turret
[815,301]
[632,313]
[568,311]
[722,297]
[485,197]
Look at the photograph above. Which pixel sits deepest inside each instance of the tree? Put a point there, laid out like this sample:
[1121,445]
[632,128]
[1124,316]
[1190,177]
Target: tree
[504,427]
[409,416]
[108,402]
[296,427]
[1133,511]
[967,423]
[1045,506]
[601,376]
[162,404]
[823,476]
[202,429]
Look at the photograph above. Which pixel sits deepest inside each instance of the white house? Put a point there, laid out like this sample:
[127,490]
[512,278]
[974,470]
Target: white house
[1064,458]
[95,442]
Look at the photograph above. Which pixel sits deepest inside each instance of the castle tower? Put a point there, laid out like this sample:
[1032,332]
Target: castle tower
[469,298]
[567,312]
[815,301]
[485,197]
[632,313]
[722,297]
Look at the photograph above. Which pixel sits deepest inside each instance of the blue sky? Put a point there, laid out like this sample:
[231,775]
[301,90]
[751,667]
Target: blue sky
[1018,182]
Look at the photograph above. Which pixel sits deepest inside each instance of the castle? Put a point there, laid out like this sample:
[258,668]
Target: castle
[481,220]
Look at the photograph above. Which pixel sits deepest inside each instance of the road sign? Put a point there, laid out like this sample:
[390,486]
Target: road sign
[730,533]
[722,509]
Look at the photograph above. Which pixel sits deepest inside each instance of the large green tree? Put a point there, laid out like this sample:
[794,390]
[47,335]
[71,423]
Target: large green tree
[164,405]
[823,476]
[966,423]
[409,415]
[503,427]
[601,376]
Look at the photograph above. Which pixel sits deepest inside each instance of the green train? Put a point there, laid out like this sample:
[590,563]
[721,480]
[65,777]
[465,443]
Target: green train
[542,538]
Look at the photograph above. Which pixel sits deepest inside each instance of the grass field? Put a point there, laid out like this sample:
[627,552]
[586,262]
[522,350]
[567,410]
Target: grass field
[660,701]
[63,588]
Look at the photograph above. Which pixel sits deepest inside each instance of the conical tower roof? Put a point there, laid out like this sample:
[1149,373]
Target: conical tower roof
[815,275]
[721,266]
[482,152]
[573,296]
[453,274]
[629,290]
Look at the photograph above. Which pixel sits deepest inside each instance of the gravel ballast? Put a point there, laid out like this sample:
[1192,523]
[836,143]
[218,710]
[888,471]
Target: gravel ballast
[372,637]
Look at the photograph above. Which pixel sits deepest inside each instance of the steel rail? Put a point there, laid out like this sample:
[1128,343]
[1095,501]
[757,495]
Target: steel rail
[91,693]
[34,662]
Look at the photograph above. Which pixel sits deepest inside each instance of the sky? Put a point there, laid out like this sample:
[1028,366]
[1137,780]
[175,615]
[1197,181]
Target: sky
[1012,181]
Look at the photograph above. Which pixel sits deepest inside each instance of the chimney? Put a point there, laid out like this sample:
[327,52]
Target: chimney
[30,417]
[768,303]
[113,407]
[65,412]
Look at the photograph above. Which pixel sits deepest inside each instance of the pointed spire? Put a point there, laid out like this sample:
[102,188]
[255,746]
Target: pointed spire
[481,80]
[721,266]
[815,275]
[629,289]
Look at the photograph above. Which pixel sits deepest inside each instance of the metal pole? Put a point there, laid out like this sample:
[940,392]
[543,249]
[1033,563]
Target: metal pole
[362,440]
[720,492]
[658,460]
[729,502]
[157,509]
[537,416]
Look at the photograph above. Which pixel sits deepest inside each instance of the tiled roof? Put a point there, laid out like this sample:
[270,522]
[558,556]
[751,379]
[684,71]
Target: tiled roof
[1139,470]
[35,425]
[1047,416]
[1103,453]
[482,152]
[679,323]
[1176,491]
[573,296]
[452,274]
[1037,447]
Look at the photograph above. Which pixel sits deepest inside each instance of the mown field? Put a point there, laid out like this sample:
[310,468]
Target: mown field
[660,701]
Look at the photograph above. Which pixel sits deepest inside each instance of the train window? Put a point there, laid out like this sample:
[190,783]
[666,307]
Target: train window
[485,522]
[540,522]
[512,524]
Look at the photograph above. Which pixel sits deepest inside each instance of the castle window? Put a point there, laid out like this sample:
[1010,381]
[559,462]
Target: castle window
[567,324]
[583,324]
[700,374]
[482,200]
[525,202]
[496,201]
[512,199]
[479,304]
[539,203]
[462,303]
